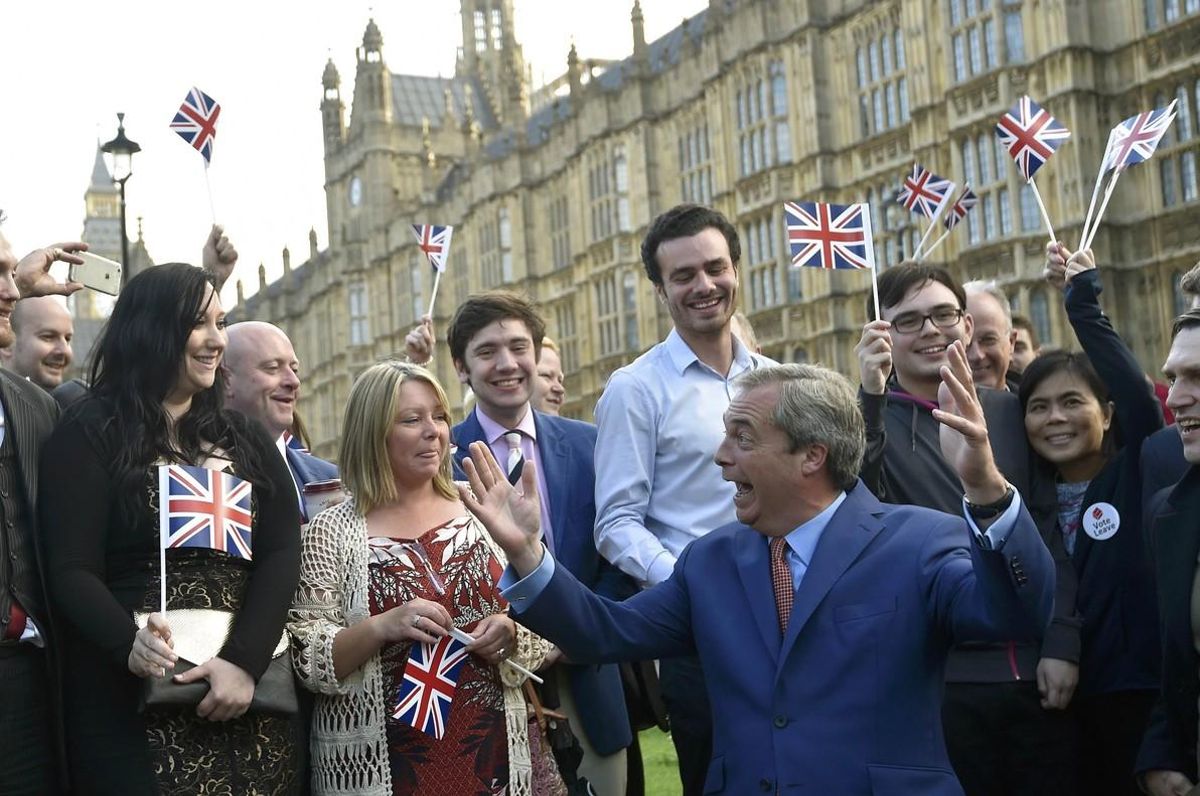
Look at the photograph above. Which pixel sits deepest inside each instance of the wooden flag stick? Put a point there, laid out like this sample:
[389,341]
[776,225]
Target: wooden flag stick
[164,531]
[937,242]
[1087,221]
[1037,195]
[1086,243]
[437,280]
[932,223]
[875,289]
[208,184]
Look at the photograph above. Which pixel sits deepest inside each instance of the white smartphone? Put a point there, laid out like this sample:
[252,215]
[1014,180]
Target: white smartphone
[98,273]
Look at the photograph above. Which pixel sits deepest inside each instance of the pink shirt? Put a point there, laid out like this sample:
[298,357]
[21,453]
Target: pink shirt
[494,434]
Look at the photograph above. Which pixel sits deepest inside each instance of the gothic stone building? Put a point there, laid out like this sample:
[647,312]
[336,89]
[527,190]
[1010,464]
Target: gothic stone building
[745,105]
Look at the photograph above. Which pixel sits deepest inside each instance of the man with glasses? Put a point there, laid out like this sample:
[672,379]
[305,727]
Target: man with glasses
[1003,715]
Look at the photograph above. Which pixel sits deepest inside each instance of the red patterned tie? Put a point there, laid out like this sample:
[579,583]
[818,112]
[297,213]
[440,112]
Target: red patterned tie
[781,581]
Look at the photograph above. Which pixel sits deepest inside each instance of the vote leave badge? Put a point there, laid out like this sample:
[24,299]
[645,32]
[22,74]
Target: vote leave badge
[1101,521]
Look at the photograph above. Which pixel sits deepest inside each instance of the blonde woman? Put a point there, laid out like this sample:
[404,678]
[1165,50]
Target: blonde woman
[403,561]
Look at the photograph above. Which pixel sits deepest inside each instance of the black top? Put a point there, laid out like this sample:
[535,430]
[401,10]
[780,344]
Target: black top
[1116,582]
[103,567]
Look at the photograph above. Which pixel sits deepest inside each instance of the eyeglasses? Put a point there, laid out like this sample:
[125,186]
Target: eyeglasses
[912,322]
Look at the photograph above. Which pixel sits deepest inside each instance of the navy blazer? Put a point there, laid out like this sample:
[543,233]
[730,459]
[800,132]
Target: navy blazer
[1162,464]
[848,700]
[566,448]
[305,469]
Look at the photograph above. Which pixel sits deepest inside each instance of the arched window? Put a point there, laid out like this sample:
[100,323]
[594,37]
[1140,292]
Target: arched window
[1039,315]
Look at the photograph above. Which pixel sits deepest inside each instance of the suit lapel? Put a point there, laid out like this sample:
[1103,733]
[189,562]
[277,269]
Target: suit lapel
[19,421]
[753,567]
[852,528]
[465,433]
[556,466]
[1177,545]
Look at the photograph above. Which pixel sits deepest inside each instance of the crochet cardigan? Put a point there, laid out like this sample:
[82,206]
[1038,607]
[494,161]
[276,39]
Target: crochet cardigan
[348,740]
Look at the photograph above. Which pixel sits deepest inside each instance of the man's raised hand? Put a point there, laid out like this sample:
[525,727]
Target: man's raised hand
[511,517]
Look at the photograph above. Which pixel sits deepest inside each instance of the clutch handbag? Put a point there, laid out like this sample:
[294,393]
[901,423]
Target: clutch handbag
[198,634]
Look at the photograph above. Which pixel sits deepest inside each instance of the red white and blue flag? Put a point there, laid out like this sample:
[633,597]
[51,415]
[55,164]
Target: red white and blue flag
[430,679]
[924,192]
[205,508]
[196,121]
[434,240]
[1030,135]
[958,211]
[1135,139]
[829,236]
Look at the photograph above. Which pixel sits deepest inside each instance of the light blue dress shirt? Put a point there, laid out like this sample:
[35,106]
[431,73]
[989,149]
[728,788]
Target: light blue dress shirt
[659,424]
[802,544]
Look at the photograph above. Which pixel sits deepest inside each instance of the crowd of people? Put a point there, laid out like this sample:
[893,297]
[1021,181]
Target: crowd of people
[974,571]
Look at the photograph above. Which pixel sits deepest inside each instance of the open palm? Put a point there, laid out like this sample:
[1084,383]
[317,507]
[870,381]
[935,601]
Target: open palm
[512,517]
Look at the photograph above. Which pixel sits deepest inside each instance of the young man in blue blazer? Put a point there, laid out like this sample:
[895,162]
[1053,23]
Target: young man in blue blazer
[822,617]
[494,340]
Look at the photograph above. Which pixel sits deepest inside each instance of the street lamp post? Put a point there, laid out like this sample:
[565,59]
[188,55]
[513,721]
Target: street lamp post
[122,149]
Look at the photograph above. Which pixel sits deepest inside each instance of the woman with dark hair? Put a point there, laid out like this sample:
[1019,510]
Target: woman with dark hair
[1086,416]
[156,399]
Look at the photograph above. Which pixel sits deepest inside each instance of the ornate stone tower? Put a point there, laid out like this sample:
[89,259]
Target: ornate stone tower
[491,53]
[333,110]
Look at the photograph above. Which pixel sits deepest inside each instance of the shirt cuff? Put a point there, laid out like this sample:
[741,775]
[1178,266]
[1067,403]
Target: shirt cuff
[998,532]
[661,568]
[524,591]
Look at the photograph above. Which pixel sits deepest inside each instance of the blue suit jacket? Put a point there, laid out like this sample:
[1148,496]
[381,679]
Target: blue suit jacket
[306,469]
[848,700]
[566,448]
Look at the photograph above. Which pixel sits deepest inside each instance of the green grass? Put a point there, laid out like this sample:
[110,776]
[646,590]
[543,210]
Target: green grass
[662,767]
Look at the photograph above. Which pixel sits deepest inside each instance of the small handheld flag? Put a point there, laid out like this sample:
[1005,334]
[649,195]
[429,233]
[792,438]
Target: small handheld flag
[833,237]
[1131,142]
[198,507]
[957,212]
[434,240]
[430,680]
[1030,135]
[924,192]
[196,122]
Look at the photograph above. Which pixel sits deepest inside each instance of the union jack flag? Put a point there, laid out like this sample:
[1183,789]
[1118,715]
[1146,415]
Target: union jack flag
[958,211]
[430,679]
[924,192]
[196,121]
[1031,135]
[1136,138]
[205,508]
[434,240]
[829,236]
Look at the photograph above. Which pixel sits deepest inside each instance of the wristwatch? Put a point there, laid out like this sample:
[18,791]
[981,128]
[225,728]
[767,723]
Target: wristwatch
[990,511]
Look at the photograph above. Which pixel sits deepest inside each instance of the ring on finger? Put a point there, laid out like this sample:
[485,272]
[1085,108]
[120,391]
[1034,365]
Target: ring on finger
[417,620]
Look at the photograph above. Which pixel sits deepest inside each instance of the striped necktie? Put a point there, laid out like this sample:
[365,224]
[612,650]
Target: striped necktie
[516,459]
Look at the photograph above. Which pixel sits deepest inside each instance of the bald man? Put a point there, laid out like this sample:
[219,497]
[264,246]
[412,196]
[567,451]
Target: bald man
[41,351]
[262,381]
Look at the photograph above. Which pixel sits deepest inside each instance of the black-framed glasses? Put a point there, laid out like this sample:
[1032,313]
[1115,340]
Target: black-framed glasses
[942,318]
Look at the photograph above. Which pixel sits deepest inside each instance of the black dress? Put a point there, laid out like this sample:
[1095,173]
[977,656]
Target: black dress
[103,566]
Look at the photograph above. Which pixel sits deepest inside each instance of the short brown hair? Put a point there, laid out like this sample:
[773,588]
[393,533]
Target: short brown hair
[1188,320]
[1021,322]
[895,282]
[483,309]
[1189,283]
[683,221]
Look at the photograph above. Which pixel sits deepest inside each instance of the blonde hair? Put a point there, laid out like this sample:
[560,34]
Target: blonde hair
[548,342]
[370,413]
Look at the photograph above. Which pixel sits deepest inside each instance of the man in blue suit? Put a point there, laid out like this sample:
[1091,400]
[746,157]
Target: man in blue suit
[262,382]
[495,339]
[823,643]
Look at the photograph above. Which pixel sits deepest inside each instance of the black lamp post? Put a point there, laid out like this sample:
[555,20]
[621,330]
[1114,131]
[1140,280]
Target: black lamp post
[122,149]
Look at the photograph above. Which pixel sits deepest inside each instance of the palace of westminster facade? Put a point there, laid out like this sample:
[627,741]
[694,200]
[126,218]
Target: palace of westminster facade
[743,106]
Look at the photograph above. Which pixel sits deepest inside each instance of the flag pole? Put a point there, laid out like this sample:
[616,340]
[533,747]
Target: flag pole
[938,242]
[875,289]
[437,280]
[164,524]
[208,184]
[1086,243]
[932,224]
[1087,221]
[1037,195]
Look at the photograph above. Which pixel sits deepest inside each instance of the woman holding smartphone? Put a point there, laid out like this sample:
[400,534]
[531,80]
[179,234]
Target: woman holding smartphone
[156,399]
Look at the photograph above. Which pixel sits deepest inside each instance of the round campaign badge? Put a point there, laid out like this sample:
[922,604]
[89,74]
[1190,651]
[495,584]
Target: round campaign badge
[1101,521]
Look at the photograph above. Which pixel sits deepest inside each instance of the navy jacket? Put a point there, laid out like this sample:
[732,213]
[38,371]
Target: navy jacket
[1170,741]
[567,448]
[848,699]
[306,469]
[1162,463]
[1116,580]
